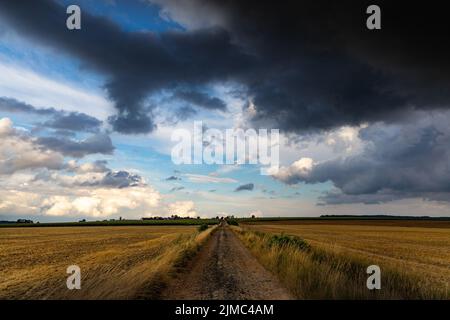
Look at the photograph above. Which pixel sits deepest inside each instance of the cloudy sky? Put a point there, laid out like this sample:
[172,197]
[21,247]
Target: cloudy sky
[86,116]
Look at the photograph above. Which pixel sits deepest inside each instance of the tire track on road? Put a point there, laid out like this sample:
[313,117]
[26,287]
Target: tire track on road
[224,269]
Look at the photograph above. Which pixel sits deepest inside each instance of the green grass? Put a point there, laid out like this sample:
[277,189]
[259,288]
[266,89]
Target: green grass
[203,227]
[287,240]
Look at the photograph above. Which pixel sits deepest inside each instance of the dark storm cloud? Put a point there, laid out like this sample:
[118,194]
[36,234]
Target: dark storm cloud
[184,113]
[120,179]
[65,124]
[74,121]
[336,198]
[402,163]
[60,120]
[98,143]
[245,187]
[320,67]
[308,65]
[173,178]
[201,99]
[408,160]
[13,105]
[111,179]
[64,133]
[136,64]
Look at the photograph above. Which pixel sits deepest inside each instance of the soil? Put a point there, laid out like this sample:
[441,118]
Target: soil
[224,269]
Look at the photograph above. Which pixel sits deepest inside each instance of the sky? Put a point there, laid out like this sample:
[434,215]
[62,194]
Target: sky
[87,116]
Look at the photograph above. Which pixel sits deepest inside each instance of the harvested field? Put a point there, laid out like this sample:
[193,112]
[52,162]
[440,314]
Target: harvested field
[116,262]
[418,257]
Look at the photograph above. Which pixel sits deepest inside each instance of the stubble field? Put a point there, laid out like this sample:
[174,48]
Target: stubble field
[315,259]
[414,257]
[115,262]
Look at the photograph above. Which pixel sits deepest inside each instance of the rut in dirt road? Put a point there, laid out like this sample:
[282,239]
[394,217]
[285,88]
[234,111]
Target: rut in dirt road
[225,269]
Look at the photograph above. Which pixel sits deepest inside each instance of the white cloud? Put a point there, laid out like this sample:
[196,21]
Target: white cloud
[299,169]
[344,140]
[19,202]
[38,181]
[103,202]
[182,209]
[19,152]
[6,127]
[80,202]
[198,178]
[225,169]
[65,195]
[98,166]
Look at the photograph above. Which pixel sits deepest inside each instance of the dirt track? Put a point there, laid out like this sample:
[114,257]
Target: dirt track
[225,269]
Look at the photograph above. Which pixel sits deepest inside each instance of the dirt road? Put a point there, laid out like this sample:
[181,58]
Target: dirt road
[225,269]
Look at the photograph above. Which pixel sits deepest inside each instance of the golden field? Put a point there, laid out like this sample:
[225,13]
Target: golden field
[116,262]
[414,257]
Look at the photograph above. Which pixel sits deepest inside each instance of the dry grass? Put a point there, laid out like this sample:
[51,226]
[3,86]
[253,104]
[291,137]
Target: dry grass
[415,261]
[116,262]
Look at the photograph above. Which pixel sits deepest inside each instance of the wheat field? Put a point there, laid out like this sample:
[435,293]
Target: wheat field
[414,257]
[115,262]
